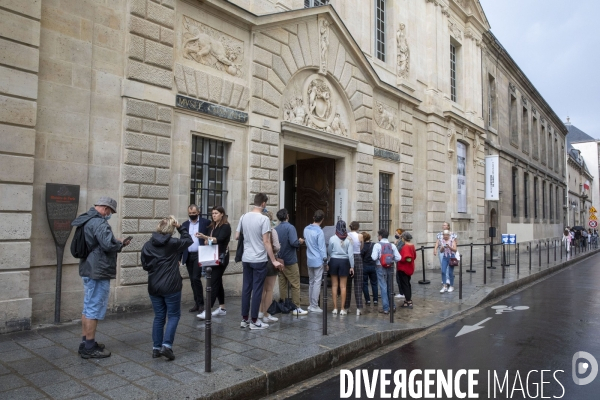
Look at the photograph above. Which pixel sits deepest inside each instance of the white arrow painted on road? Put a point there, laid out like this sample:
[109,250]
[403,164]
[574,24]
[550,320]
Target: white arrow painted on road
[471,328]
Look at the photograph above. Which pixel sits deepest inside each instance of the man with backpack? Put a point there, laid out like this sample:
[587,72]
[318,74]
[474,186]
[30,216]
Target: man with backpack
[96,247]
[384,254]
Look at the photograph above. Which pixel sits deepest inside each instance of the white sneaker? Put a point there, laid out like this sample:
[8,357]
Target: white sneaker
[399,296]
[451,289]
[444,289]
[202,315]
[334,312]
[270,318]
[343,312]
[358,312]
[244,323]
[258,325]
[315,309]
[299,311]
[260,315]
[219,312]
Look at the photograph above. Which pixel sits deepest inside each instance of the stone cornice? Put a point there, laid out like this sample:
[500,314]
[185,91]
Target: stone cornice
[288,128]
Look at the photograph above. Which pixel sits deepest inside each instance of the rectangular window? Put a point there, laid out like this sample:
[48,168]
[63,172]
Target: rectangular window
[453,95]
[514,132]
[315,3]
[535,138]
[525,130]
[209,174]
[380,29]
[385,196]
[526,195]
[557,205]
[544,200]
[515,205]
[535,198]
[550,151]
[491,100]
[461,162]
[543,145]
[556,157]
[550,208]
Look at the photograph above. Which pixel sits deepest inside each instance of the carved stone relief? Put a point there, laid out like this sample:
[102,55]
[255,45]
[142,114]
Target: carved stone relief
[324,45]
[455,30]
[524,100]
[212,48]
[512,87]
[446,11]
[403,53]
[384,117]
[478,144]
[451,135]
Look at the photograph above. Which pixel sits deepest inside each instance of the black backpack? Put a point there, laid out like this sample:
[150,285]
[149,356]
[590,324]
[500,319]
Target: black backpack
[79,247]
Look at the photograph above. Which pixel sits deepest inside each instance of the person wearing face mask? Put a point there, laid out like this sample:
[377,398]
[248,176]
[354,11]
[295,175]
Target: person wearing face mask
[196,224]
[96,271]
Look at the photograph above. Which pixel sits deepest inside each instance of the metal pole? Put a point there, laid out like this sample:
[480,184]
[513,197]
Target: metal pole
[471,270]
[325,296]
[492,253]
[554,250]
[539,253]
[390,284]
[529,248]
[60,250]
[548,250]
[561,249]
[423,281]
[460,279]
[208,321]
[503,261]
[518,258]
[484,263]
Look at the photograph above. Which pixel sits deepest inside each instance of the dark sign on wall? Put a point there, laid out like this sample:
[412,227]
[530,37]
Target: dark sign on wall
[62,202]
[215,110]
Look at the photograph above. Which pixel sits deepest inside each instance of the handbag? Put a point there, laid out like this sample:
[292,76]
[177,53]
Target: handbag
[239,252]
[282,306]
[208,255]
[453,262]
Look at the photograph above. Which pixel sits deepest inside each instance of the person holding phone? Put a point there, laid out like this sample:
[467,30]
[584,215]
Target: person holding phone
[341,264]
[448,249]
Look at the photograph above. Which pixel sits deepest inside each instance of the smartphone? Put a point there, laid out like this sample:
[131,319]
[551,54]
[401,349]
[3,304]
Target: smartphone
[128,238]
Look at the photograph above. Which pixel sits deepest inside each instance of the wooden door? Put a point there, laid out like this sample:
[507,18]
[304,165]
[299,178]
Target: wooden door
[315,190]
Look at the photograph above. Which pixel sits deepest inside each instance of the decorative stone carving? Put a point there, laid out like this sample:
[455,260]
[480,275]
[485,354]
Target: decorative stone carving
[435,2]
[324,45]
[446,11]
[384,117]
[524,100]
[512,87]
[534,110]
[455,30]
[479,141]
[403,53]
[212,48]
[451,134]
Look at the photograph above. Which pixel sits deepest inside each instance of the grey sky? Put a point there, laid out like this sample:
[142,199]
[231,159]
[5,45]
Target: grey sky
[557,44]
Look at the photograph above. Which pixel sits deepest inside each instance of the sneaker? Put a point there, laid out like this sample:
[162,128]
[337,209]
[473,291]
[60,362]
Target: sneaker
[315,309]
[219,312]
[95,352]
[399,296]
[155,353]
[258,325]
[244,323]
[384,312]
[202,315]
[451,289]
[375,303]
[167,352]
[444,289]
[368,303]
[358,312]
[82,346]
[334,312]
[343,312]
[260,315]
[270,318]
[299,311]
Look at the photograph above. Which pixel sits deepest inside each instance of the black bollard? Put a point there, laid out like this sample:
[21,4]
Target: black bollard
[208,322]
[561,249]
[390,284]
[484,263]
[539,245]
[460,279]
[548,250]
[423,281]
[554,250]
[324,296]
[471,270]
[529,249]
[518,258]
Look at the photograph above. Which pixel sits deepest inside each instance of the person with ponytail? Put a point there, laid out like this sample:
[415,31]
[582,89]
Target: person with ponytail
[341,263]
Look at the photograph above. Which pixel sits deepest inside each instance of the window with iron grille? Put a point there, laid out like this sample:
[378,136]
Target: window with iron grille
[385,196]
[515,205]
[526,195]
[380,29]
[452,72]
[315,3]
[209,174]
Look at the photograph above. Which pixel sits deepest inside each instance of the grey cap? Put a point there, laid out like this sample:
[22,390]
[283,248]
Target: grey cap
[107,201]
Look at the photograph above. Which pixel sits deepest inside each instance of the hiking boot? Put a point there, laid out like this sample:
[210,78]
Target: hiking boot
[95,352]
[82,346]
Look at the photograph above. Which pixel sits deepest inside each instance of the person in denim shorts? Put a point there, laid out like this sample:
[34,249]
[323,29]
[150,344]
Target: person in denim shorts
[96,271]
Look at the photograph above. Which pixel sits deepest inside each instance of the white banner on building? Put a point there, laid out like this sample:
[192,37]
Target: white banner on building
[461,154]
[341,205]
[492,180]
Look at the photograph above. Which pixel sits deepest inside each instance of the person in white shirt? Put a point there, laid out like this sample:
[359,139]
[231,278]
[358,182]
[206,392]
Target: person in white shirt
[384,275]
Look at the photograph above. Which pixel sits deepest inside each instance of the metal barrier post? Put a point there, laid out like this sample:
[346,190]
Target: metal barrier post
[390,284]
[325,296]
[539,245]
[484,264]
[423,281]
[460,279]
[561,249]
[529,249]
[208,322]
[554,250]
[518,258]
[548,250]
[471,270]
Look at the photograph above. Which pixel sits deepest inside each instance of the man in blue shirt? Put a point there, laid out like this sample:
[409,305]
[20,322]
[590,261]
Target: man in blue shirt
[288,239]
[315,253]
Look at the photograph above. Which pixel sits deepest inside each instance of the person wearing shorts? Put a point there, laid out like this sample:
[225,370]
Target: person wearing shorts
[341,263]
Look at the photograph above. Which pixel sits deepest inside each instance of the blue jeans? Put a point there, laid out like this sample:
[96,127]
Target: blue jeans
[385,279]
[447,271]
[441,257]
[370,272]
[168,305]
[252,287]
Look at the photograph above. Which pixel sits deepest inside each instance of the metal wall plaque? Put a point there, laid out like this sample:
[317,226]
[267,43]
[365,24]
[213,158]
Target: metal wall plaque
[215,110]
[62,202]
[389,155]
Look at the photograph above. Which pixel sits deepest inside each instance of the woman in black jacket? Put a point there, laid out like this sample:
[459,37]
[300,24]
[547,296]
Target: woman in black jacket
[160,257]
[219,232]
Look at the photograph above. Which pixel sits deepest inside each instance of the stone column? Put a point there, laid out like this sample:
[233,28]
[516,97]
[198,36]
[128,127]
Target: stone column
[19,54]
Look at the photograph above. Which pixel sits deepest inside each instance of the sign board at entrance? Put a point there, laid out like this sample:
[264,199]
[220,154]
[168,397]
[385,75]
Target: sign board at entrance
[62,202]
[341,205]
[593,224]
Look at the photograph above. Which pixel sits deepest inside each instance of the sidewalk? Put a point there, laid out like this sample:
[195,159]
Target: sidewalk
[246,364]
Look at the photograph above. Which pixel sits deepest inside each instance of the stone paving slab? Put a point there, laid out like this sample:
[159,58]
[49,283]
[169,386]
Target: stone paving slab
[245,364]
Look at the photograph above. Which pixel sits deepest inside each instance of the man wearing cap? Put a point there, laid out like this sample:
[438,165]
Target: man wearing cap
[96,271]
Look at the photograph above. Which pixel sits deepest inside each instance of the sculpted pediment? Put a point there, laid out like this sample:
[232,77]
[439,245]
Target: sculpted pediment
[473,8]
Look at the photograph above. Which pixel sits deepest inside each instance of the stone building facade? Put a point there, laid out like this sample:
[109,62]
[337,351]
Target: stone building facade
[588,149]
[580,197]
[159,103]
[530,140]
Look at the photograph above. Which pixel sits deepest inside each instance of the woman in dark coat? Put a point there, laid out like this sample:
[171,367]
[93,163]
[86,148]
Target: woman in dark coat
[160,257]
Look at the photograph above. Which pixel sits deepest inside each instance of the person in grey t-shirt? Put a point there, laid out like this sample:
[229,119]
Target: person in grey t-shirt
[257,251]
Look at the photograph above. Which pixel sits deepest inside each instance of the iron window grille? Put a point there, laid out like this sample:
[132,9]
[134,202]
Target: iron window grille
[385,195]
[380,29]
[209,174]
[315,3]
[452,72]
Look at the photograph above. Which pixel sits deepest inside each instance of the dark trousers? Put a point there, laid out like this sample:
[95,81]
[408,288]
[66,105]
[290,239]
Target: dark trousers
[370,272]
[217,291]
[195,273]
[400,290]
[253,282]
[405,285]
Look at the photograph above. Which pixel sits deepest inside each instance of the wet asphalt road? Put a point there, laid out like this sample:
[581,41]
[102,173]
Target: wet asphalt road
[563,318]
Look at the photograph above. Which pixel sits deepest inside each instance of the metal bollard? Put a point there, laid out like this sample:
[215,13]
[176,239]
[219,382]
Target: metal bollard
[529,249]
[561,249]
[554,250]
[518,258]
[471,270]
[423,281]
[325,296]
[539,245]
[548,250]
[208,322]
[460,279]
[484,263]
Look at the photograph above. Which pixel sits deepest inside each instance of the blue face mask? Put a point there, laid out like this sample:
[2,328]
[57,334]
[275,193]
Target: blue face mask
[265,210]
[107,217]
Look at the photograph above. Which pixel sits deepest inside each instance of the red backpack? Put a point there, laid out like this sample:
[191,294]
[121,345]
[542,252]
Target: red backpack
[387,255]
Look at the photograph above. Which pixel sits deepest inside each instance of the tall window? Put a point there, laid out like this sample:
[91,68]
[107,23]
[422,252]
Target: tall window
[535,140]
[543,145]
[550,151]
[209,174]
[315,3]
[380,29]
[550,208]
[515,205]
[535,198]
[461,172]
[514,132]
[525,130]
[526,195]
[544,200]
[556,157]
[453,96]
[491,100]
[385,196]
[557,205]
